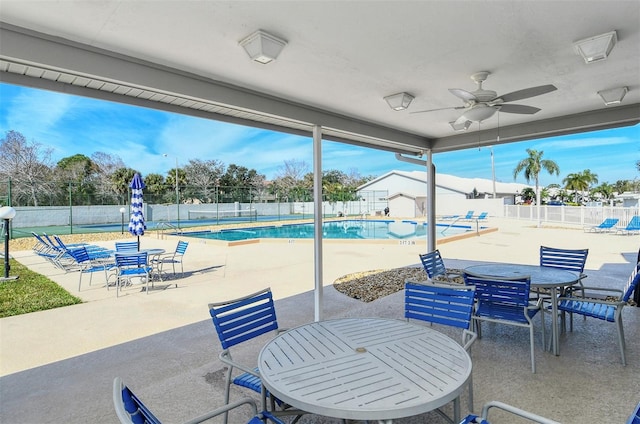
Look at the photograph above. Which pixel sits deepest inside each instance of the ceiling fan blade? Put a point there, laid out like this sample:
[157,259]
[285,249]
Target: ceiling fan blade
[521,109]
[462,94]
[434,110]
[527,92]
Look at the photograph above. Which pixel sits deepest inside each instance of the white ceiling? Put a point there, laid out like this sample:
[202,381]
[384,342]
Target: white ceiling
[341,59]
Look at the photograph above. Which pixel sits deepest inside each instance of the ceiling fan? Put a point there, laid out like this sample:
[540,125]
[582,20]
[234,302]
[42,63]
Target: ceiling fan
[482,104]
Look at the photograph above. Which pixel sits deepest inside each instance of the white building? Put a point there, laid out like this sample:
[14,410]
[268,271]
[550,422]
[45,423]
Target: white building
[406,194]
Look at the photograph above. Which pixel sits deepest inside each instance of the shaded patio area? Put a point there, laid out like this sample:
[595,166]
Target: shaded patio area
[164,346]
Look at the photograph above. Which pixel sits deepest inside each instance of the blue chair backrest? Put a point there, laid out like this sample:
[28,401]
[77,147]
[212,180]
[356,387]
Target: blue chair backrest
[469,215]
[569,259]
[500,294]
[244,319]
[80,254]
[181,247]
[631,285]
[136,410]
[608,223]
[126,245]
[433,263]
[634,224]
[446,305]
[483,215]
[131,260]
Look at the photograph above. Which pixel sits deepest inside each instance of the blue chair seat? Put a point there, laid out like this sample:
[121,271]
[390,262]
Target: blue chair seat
[504,312]
[591,309]
[252,382]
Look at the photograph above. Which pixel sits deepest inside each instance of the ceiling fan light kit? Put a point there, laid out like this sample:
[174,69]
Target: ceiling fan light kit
[597,48]
[399,101]
[613,96]
[262,47]
[482,104]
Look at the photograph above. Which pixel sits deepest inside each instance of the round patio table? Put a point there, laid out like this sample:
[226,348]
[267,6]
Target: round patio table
[365,369]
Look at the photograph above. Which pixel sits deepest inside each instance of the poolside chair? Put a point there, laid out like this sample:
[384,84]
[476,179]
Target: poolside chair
[633,227]
[468,216]
[434,267]
[87,265]
[130,409]
[484,418]
[443,304]
[603,303]
[131,265]
[482,216]
[172,258]
[606,226]
[237,321]
[505,301]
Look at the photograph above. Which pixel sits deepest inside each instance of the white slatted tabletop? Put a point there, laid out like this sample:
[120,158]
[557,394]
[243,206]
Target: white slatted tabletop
[365,368]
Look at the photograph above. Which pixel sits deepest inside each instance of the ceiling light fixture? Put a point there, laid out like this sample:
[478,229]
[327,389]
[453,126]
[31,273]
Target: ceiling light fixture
[399,101]
[262,47]
[460,127]
[594,49]
[613,96]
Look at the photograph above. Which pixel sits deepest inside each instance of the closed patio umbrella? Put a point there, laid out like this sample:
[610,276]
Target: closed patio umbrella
[136,223]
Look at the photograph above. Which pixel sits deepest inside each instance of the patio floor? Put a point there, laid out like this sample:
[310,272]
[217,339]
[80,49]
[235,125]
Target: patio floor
[58,365]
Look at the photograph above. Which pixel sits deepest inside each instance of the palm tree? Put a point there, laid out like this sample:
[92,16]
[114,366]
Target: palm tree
[532,166]
[579,182]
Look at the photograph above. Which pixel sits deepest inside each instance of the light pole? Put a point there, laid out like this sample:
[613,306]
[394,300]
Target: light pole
[493,173]
[7,213]
[177,192]
[122,211]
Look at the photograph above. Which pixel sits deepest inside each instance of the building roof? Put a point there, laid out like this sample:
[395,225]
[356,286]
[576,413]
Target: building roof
[454,183]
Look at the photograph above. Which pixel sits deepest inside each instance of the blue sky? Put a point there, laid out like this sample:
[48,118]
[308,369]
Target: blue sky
[71,125]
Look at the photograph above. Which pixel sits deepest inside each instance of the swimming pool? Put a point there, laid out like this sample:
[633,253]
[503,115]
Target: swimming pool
[344,229]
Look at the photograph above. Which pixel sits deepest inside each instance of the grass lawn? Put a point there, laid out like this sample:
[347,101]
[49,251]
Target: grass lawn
[31,292]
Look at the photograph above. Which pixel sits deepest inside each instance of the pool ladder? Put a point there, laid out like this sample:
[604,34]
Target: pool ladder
[164,227]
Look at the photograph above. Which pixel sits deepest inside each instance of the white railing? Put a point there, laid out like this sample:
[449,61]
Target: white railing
[572,215]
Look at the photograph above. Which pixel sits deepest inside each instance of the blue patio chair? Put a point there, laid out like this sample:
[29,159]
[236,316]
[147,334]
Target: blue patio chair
[122,246]
[468,216]
[450,305]
[505,301]
[237,321]
[606,226]
[567,259]
[130,409]
[633,227]
[87,265]
[434,267]
[173,258]
[599,306]
[484,418]
[131,265]
[634,418]
[482,216]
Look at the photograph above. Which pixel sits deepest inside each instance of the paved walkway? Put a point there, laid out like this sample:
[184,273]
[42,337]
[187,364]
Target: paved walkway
[163,340]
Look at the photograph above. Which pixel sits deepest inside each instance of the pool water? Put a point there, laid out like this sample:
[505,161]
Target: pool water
[346,229]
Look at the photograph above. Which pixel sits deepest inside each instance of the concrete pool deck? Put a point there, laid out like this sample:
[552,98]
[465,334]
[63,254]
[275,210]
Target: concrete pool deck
[62,362]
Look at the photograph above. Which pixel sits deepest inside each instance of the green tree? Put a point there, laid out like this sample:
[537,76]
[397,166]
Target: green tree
[120,180]
[80,174]
[155,188]
[605,190]
[579,182]
[532,166]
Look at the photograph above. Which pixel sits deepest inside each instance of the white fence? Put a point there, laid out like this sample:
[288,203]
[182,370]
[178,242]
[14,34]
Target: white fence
[572,215]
